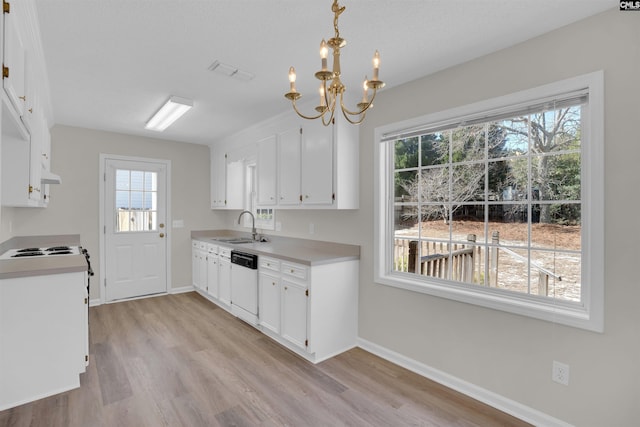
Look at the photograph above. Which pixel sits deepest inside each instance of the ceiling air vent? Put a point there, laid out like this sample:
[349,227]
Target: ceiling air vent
[230,71]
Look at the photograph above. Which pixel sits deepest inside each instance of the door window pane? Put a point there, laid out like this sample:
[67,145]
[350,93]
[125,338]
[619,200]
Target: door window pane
[136,196]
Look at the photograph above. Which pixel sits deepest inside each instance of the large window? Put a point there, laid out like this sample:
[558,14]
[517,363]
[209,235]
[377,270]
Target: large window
[498,203]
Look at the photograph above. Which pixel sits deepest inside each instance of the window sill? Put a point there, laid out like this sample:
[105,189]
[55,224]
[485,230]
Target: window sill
[565,314]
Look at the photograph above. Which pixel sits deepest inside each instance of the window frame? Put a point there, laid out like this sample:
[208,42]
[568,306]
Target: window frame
[589,313]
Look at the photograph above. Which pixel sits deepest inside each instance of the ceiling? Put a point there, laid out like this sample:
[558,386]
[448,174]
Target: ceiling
[113,63]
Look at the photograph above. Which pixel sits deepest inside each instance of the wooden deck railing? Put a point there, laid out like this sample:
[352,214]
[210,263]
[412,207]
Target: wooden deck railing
[462,262]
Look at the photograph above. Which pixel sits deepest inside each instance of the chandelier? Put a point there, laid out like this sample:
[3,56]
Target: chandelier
[331,87]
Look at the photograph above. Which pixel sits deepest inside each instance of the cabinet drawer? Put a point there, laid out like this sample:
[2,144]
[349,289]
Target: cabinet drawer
[225,252]
[295,270]
[265,263]
[212,249]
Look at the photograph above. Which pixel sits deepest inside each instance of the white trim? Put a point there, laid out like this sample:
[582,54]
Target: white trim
[590,314]
[483,395]
[95,302]
[101,214]
[181,290]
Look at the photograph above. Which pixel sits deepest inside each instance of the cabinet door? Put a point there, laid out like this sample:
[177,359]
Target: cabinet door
[195,268]
[14,60]
[294,313]
[203,270]
[224,283]
[317,164]
[234,180]
[269,301]
[212,274]
[267,171]
[289,167]
[218,179]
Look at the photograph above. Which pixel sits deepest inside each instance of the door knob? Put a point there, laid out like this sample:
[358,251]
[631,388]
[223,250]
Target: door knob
[161,225]
[161,235]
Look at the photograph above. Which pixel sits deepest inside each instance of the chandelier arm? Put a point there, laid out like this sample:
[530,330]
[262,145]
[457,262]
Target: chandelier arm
[295,107]
[354,122]
[357,113]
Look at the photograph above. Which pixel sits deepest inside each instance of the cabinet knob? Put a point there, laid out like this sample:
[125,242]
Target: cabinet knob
[162,235]
[306,196]
[24,98]
[273,283]
[285,288]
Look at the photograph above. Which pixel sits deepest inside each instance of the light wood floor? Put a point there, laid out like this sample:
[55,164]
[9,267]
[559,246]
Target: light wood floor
[178,360]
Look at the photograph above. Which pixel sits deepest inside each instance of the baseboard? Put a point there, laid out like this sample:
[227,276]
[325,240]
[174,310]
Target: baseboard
[181,290]
[95,302]
[495,400]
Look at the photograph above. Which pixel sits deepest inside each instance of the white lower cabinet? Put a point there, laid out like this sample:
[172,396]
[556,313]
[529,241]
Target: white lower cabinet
[213,270]
[199,265]
[43,336]
[269,298]
[224,276]
[312,310]
[294,313]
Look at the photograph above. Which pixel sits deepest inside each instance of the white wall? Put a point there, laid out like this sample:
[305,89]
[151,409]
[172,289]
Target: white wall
[509,354]
[74,204]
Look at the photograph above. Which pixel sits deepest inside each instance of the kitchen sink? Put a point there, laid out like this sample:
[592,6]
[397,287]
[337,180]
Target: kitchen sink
[233,240]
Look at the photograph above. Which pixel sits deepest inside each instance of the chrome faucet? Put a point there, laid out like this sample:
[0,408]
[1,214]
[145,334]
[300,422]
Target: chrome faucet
[254,233]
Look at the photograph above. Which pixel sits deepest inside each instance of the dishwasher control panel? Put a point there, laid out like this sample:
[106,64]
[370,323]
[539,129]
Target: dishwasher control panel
[244,259]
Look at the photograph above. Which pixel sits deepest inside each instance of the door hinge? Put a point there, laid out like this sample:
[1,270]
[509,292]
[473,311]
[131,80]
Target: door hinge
[301,197]
[306,343]
[105,177]
[300,131]
[333,197]
[105,282]
[86,301]
[5,72]
[6,7]
[30,189]
[306,292]
[86,357]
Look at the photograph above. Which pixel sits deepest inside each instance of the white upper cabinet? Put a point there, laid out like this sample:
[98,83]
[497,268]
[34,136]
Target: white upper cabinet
[317,164]
[301,164]
[267,171]
[218,179]
[13,68]
[289,167]
[25,140]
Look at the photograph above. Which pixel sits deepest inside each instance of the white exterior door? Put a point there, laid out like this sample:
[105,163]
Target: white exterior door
[134,226]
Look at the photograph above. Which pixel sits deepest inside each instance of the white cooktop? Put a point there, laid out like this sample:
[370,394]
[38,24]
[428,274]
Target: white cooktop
[35,252]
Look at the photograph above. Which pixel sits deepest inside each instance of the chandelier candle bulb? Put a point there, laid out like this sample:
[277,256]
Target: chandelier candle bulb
[324,51]
[292,79]
[322,100]
[364,91]
[376,65]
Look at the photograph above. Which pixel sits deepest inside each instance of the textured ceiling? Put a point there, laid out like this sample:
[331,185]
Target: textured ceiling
[112,63]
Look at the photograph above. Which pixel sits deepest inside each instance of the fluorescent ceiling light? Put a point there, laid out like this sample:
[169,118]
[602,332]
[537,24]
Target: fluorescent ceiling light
[174,108]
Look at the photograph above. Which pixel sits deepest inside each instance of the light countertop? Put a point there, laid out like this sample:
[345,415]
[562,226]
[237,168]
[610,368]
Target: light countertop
[301,251]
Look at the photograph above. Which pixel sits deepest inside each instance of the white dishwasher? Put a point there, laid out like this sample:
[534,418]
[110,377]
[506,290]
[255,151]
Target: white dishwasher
[244,286]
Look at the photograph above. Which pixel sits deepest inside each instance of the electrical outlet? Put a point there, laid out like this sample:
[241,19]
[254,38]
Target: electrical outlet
[560,373]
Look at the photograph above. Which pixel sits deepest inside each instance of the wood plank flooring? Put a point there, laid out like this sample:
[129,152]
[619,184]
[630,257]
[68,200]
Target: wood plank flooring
[178,360]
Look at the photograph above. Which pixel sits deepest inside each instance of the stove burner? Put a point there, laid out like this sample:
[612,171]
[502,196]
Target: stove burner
[28,250]
[27,254]
[63,252]
[58,248]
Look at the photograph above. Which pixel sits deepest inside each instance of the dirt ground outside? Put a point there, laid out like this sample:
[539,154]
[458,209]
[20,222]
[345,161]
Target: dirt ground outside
[555,241]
